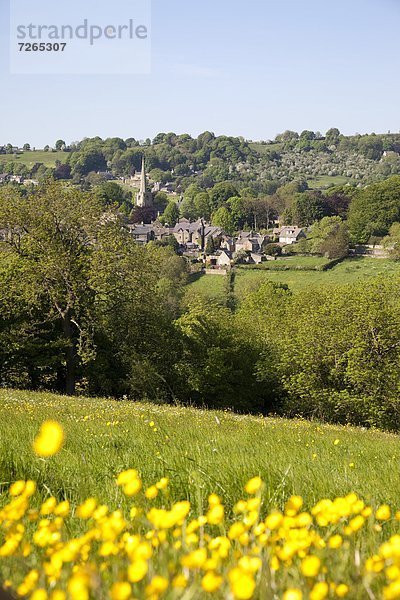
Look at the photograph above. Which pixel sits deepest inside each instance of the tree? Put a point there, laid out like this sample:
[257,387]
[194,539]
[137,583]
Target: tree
[307,135]
[160,201]
[111,193]
[171,214]
[332,136]
[49,243]
[202,205]
[62,171]
[239,210]
[26,147]
[392,241]
[60,145]
[223,218]
[221,193]
[81,302]
[287,136]
[374,209]
[217,362]
[307,208]
[330,237]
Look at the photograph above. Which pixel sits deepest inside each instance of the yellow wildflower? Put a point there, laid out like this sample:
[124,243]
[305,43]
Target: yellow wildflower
[211,582]
[49,440]
[310,566]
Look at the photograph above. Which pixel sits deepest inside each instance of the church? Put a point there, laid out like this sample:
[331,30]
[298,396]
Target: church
[144,197]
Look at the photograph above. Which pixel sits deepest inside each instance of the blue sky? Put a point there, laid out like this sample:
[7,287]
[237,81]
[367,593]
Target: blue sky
[251,68]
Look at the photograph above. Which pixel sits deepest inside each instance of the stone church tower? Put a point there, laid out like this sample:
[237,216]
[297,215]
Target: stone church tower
[144,197]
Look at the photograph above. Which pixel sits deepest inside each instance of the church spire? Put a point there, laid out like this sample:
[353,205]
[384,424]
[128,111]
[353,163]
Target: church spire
[144,197]
[143,182]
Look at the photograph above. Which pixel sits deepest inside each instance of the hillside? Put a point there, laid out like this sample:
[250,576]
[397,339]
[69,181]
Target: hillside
[323,161]
[201,451]
[191,453]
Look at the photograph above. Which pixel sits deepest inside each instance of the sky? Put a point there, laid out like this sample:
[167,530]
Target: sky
[251,68]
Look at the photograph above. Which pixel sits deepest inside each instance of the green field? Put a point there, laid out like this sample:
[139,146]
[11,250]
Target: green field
[248,280]
[210,286]
[324,181]
[37,156]
[349,271]
[293,262]
[264,148]
[198,452]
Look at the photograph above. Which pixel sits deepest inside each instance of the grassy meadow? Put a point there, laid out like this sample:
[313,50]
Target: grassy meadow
[325,181]
[248,280]
[199,450]
[48,159]
[192,453]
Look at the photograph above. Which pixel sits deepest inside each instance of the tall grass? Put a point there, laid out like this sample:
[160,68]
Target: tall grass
[200,451]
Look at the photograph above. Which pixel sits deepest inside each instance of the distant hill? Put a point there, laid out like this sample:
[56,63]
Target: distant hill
[321,161]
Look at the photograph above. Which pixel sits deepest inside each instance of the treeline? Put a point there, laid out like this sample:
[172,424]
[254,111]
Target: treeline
[210,159]
[169,157]
[370,145]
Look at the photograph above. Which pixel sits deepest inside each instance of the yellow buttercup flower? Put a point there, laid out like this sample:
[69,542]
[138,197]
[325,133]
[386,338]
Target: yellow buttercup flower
[215,515]
[242,584]
[211,582]
[293,594]
[86,510]
[121,591]
[342,590]
[49,440]
[137,571]
[39,595]
[383,513]
[320,591]
[151,492]
[253,485]
[310,566]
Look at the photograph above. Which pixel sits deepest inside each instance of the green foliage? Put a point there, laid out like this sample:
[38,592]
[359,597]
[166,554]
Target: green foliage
[392,241]
[307,208]
[171,214]
[83,307]
[374,209]
[223,218]
[334,350]
[110,193]
[217,363]
[330,238]
[221,193]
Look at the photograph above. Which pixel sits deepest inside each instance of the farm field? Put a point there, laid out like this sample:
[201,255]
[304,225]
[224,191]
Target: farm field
[200,452]
[248,280]
[349,271]
[264,148]
[324,181]
[210,286]
[294,262]
[36,156]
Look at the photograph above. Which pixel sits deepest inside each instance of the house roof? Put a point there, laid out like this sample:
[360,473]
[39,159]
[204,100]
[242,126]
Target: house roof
[141,229]
[222,251]
[213,231]
[291,232]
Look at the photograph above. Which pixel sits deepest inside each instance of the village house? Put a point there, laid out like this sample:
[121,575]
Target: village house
[221,259]
[143,234]
[291,234]
[249,241]
[196,233]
